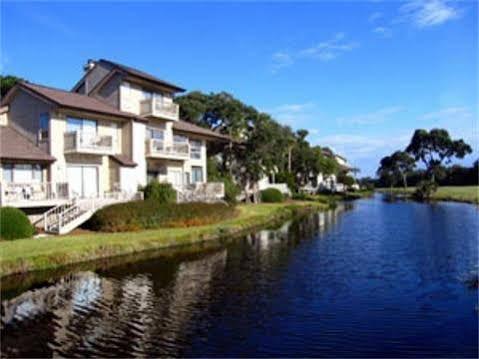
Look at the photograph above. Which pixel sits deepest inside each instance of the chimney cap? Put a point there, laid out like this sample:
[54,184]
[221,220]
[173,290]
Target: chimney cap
[89,65]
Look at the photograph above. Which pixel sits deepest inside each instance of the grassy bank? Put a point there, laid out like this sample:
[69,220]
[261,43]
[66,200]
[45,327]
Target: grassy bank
[23,255]
[468,194]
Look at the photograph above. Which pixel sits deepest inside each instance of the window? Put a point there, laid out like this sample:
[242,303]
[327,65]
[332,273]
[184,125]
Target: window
[180,139]
[155,133]
[37,173]
[146,95]
[7,172]
[81,125]
[196,174]
[44,126]
[195,149]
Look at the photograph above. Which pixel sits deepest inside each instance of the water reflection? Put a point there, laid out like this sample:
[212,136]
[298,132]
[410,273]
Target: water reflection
[380,280]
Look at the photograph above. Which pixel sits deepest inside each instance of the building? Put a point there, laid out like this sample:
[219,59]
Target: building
[114,131]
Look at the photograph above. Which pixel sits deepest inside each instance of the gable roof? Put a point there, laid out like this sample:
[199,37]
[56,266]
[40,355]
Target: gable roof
[72,100]
[143,75]
[15,146]
[184,126]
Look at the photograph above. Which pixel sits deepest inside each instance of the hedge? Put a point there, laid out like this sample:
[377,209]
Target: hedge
[14,224]
[138,215]
[271,195]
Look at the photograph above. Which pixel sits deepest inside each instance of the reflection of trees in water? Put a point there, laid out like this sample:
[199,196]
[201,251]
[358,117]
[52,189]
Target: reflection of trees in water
[91,315]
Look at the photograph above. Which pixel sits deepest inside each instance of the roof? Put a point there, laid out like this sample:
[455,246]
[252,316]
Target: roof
[15,146]
[74,100]
[191,128]
[137,73]
[123,160]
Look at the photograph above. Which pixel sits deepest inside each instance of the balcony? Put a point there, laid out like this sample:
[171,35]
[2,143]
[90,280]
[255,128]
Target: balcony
[156,107]
[35,194]
[168,150]
[81,142]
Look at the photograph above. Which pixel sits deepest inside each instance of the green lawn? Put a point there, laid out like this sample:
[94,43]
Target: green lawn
[25,255]
[468,194]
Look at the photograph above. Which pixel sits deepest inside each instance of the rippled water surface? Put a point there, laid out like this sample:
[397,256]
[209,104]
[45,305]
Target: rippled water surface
[379,279]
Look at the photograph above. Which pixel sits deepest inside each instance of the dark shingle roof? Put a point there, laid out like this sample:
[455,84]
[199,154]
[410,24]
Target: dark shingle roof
[184,126]
[15,146]
[76,101]
[123,160]
[146,76]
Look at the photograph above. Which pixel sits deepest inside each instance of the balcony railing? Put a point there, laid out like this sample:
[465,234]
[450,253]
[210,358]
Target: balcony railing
[32,194]
[82,142]
[162,149]
[156,107]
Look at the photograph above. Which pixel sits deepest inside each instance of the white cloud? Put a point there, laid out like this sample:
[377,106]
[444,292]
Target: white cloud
[356,147]
[383,31]
[371,118]
[293,114]
[328,50]
[375,16]
[280,60]
[425,13]
[323,51]
[449,114]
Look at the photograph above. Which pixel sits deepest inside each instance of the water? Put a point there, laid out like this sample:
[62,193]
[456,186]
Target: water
[380,279]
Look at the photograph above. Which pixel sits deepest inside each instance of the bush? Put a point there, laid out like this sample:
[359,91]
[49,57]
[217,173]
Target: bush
[289,179]
[137,215]
[160,192]
[14,224]
[271,195]
[232,190]
[425,190]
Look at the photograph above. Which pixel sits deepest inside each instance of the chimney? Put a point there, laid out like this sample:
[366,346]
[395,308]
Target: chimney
[89,65]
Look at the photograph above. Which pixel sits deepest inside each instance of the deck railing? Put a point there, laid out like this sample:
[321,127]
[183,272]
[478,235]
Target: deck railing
[79,141]
[13,192]
[168,149]
[158,108]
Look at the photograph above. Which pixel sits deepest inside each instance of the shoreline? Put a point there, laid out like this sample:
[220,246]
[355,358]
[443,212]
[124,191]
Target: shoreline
[459,194]
[28,255]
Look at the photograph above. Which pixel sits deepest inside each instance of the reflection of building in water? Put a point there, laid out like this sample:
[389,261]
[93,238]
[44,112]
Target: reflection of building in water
[89,314]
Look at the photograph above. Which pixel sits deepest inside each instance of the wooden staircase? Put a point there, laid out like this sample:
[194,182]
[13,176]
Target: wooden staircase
[66,217]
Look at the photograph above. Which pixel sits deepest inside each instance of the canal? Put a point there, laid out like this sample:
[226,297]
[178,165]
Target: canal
[368,279]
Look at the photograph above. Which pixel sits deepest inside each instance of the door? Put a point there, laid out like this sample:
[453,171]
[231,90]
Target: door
[83,181]
[175,177]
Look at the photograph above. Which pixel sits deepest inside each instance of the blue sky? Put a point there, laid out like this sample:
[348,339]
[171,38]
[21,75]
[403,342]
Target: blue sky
[359,75]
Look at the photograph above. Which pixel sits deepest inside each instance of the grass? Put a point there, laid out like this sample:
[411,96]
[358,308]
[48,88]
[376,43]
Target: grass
[24,255]
[469,194]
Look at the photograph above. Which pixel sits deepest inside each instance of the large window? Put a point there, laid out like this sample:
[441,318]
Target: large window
[81,125]
[196,174]
[22,173]
[44,126]
[195,149]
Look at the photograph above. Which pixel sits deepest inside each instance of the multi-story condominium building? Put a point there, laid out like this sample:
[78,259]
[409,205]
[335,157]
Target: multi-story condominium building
[115,130]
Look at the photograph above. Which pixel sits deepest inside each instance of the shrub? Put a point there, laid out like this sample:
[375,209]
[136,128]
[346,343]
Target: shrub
[160,192]
[136,215]
[289,179]
[271,195]
[14,224]
[425,190]
[232,190]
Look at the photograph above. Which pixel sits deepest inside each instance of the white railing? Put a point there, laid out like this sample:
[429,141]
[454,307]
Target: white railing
[159,108]
[168,149]
[55,217]
[12,192]
[79,141]
[201,192]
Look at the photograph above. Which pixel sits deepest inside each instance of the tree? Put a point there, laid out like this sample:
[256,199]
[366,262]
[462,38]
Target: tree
[435,147]
[399,164]
[7,82]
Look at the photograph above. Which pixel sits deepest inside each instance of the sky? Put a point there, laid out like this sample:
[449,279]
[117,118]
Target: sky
[360,76]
